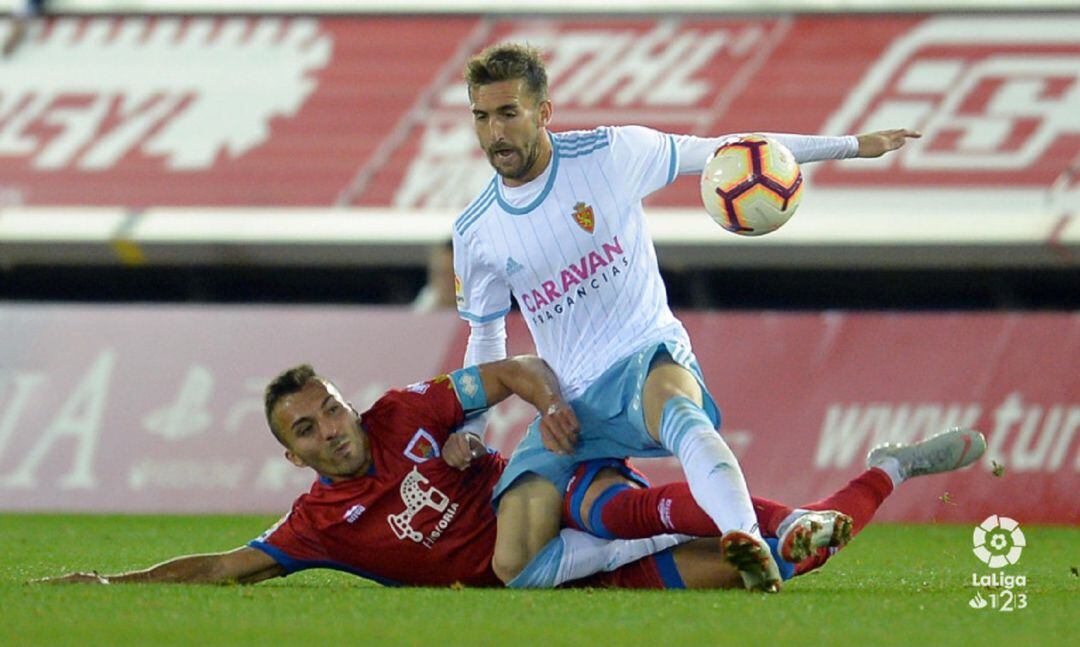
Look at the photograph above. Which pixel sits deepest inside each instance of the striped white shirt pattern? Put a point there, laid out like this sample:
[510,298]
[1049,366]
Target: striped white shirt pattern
[575,252]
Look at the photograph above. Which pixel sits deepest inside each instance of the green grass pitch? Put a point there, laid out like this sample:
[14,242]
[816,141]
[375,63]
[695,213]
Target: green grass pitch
[895,584]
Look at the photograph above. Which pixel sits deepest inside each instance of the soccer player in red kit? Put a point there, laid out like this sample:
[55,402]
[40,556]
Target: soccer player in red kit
[385,502]
[404,498]
[388,507]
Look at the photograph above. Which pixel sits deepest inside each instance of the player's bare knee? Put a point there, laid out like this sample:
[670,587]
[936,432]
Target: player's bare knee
[513,555]
[508,563]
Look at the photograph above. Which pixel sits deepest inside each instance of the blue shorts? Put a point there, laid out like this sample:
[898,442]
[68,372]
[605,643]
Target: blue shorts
[612,421]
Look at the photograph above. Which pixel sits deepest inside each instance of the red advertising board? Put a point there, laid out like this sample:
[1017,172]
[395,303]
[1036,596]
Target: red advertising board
[140,409]
[366,111]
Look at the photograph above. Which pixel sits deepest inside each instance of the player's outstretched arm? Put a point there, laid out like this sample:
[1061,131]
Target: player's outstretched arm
[879,142]
[241,566]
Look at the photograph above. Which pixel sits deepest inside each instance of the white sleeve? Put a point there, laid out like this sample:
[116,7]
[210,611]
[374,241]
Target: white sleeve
[646,158]
[481,293]
[487,343]
[816,148]
[694,151]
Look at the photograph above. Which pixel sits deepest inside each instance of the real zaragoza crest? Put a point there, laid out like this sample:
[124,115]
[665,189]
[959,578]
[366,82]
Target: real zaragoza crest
[583,215]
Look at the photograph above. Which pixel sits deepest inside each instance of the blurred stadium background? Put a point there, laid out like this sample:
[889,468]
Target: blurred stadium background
[196,195]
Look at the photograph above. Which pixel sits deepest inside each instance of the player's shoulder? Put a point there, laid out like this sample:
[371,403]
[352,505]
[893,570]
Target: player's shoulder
[382,413]
[424,387]
[578,143]
[479,206]
[405,397]
[633,137]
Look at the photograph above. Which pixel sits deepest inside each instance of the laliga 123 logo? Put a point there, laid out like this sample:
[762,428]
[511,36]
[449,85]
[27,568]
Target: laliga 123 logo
[998,542]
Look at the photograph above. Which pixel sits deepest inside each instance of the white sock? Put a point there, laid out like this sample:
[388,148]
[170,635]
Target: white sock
[584,554]
[891,466]
[574,554]
[715,478]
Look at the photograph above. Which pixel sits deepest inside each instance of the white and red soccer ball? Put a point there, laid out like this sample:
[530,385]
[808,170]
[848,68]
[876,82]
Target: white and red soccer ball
[752,185]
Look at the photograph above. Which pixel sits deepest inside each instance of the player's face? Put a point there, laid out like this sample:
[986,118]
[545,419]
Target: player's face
[512,128]
[322,432]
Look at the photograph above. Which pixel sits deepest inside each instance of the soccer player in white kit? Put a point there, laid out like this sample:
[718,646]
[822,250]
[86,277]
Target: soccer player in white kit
[561,227]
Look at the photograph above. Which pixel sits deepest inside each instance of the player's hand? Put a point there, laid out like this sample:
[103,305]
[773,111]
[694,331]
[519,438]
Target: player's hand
[559,428]
[461,448]
[878,143]
[73,578]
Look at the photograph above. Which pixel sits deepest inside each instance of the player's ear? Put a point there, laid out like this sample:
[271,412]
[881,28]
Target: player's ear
[294,459]
[545,111]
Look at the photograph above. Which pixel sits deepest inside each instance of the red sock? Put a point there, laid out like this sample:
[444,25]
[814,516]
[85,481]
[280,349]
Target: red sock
[769,514]
[859,499]
[634,513]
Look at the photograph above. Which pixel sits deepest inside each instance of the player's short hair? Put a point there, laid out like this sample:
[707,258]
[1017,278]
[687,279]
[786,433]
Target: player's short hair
[506,62]
[285,384]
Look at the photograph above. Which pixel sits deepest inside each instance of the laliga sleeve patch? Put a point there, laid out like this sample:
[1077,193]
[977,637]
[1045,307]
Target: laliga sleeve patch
[459,294]
[469,388]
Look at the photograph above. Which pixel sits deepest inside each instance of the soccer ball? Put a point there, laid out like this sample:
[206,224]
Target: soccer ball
[751,186]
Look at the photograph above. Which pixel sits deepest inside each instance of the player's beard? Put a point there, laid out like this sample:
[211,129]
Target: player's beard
[528,156]
[358,462]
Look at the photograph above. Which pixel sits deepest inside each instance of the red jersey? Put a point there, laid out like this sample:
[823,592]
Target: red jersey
[413,519]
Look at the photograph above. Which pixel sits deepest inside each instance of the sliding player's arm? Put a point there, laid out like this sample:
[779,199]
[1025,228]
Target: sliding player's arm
[241,566]
[531,379]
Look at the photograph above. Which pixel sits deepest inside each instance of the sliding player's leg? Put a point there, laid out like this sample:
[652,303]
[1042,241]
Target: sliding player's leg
[613,500]
[530,551]
[693,565]
[888,466]
[609,498]
[527,521]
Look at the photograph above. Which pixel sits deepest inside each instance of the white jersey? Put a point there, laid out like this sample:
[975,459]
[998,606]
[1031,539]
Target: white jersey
[573,248]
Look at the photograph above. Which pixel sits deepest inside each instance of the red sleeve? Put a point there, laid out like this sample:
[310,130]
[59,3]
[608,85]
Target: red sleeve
[291,542]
